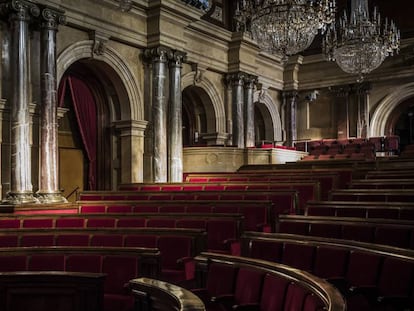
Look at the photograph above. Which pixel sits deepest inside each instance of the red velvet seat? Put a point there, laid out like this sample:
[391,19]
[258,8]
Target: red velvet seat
[119,270]
[325,230]
[10,223]
[220,282]
[301,228]
[70,223]
[119,209]
[172,209]
[191,223]
[72,240]
[38,223]
[9,241]
[84,263]
[37,240]
[300,256]
[13,263]
[266,250]
[220,235]
[273,293]
[399,237]
[131,223]
[142,208]
[248,289]
[176,258]
[108,240]
[101,223]
[313,303]
[92,208]
[141,240]
[46,263]
[362,272]
[161,223]
[295,297]
[358,233]
[330,263]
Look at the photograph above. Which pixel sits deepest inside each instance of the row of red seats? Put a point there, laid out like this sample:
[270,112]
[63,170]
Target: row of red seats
[119,265]
[351,267]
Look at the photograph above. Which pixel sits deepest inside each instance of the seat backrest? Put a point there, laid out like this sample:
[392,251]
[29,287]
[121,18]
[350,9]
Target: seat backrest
[273,293]
[300,256]
[363,269]
[325,267]
[221,279]
[295,297]
[248,286]
[173,248]
[84,263]
[396,277]
[119,270]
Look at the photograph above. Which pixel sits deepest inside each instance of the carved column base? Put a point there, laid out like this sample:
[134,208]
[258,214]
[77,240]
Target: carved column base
[16,198]
[48,198]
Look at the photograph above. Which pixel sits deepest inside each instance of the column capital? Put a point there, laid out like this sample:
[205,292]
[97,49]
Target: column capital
[341,90]
[236,78]
[177,58]
[19,10]
[290,94]
[158,54]
[51,18]
[250,81]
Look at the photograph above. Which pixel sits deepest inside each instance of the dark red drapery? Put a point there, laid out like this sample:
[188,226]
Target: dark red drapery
[86,115]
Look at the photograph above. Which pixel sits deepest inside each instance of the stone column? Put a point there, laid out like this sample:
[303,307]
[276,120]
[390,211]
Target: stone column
[249,84]
[237,82]
[159,58]
[290,102]
[342,110]
[175,124]
[21,188]
[49,166]
[131,142]
[362,92]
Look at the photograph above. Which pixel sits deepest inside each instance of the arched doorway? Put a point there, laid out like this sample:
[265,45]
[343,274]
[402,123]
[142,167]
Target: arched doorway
[400,122]
[85,142]
[198,116]
[263,124]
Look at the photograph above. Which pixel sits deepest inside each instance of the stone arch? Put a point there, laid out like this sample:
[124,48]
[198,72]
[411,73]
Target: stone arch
[126,84]
[267,101]
[190,79]
[385,108]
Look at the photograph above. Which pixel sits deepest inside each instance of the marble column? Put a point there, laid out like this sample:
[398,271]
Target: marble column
[49,166]
[249,84]
[362,92]
[237,82]
[159,59]
[175,124]
[342,110]
[21,188]
[290,102]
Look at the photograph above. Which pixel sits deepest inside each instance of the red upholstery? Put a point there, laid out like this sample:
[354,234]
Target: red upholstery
[10,223]
[299,256]
[330,263]
[101,223]
[114,240]
[220,233]
[161,223]
[273,293]
[248,286]
[119,209]
[70,223]
[172,209]
[119,270]
[92,208]
[220,282]
[38,223]
[325,230]
[295,297]
[399,237]
[313,303]
[46,263]
[72,240]
[266,250]
[84,263]
[136,240]
[131,223]
[176,258]
[9,240]
[13,263]
[37,240]
[358,233]
[363,269]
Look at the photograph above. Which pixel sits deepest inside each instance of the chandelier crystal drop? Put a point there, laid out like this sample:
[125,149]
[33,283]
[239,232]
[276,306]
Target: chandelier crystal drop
[360,44]
[284,27]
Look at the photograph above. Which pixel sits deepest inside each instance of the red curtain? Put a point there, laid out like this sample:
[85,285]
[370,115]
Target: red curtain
[86,115]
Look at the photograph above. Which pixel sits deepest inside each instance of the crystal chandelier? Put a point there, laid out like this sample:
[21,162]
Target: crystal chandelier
[284,27]
[360,44]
